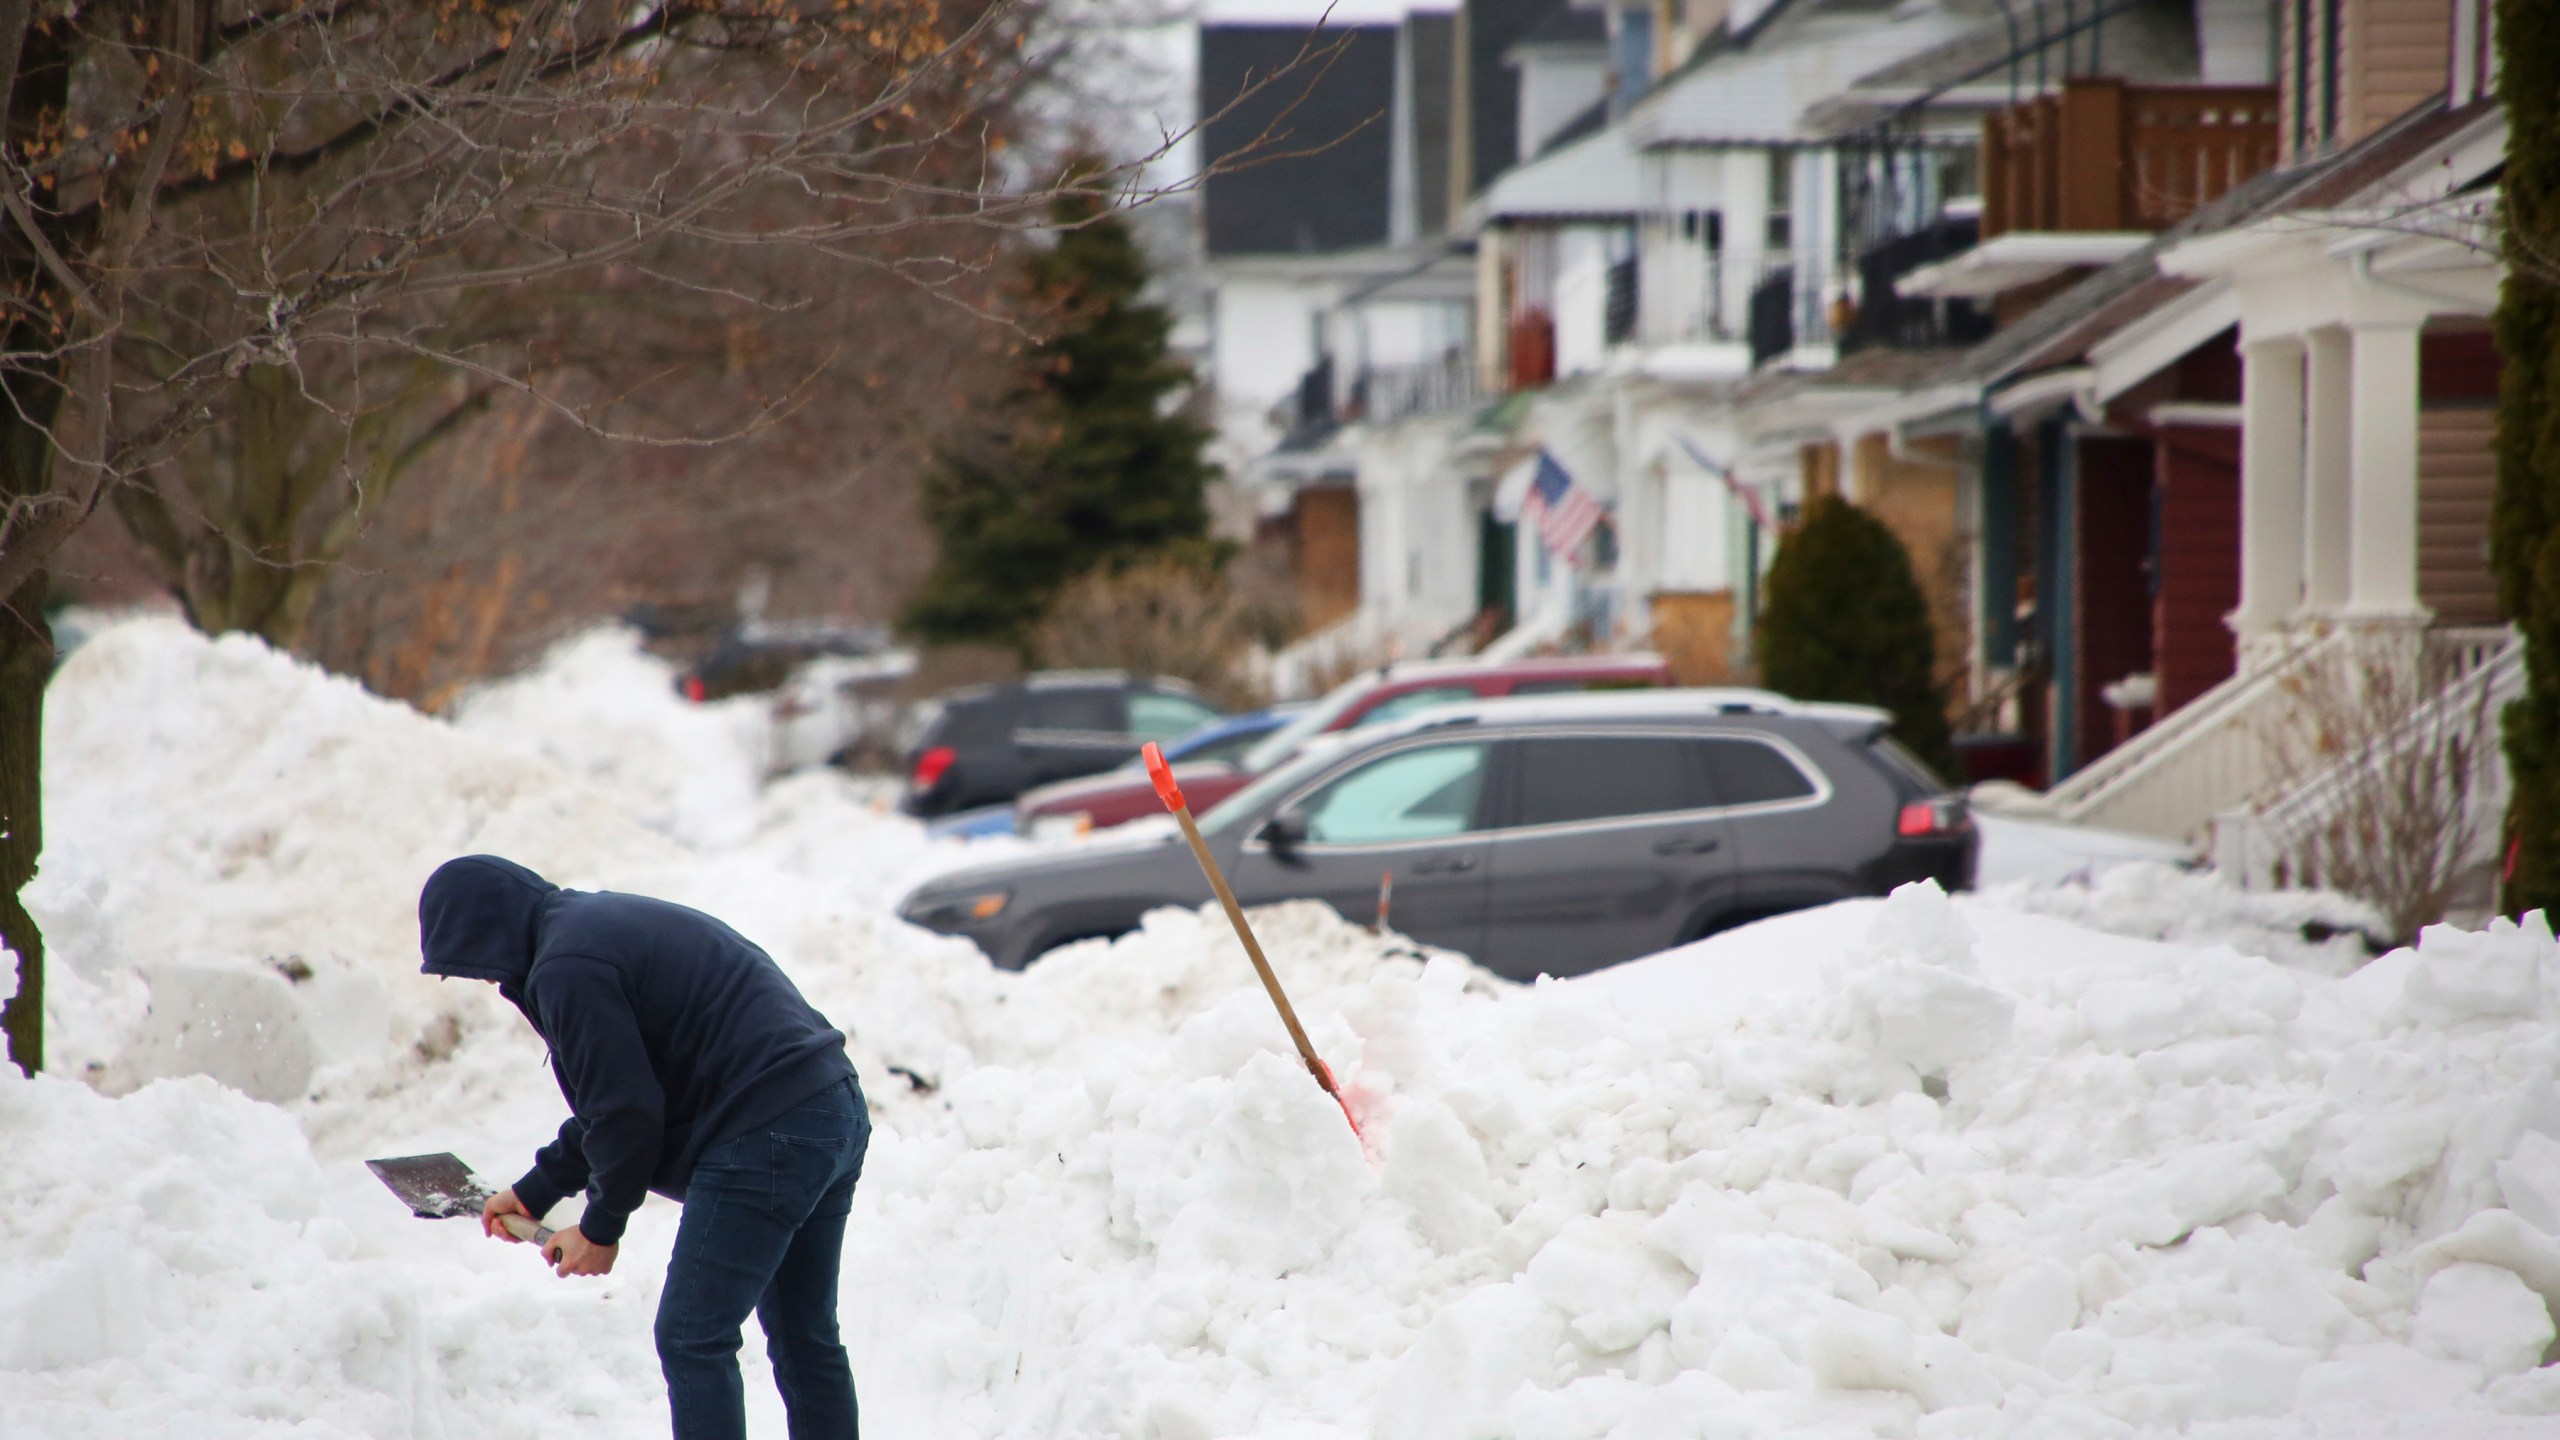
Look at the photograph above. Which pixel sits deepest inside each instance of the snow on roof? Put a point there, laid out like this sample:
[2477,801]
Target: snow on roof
[1598,176]
[1761,95]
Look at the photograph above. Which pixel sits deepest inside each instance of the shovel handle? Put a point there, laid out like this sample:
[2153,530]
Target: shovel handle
[524,1229]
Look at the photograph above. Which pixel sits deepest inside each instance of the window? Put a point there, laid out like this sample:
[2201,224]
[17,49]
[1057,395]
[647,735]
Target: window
[1155,716]
[1396,707]
[1425,794]
[1908,766]
[1782,204]
[1100,710]
[1747,772]
[976,719]
[1568,781]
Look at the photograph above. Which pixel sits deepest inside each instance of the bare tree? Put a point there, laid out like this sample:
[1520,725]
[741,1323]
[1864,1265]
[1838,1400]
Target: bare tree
[2382,765]
[1177,618]
[228,212]
[258,255]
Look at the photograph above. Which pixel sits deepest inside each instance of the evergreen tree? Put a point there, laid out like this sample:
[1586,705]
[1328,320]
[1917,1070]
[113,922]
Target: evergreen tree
[1844,619]
[1088,465]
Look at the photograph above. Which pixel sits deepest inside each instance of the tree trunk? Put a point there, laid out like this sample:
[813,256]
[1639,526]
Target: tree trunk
[26,662]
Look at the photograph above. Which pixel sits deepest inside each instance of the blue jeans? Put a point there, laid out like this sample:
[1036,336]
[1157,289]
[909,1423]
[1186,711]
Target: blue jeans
[763,1230]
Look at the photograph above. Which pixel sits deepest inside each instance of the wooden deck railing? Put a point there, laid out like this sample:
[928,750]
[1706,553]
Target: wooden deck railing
[2105,155]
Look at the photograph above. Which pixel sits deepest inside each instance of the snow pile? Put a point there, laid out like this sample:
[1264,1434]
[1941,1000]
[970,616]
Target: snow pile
[243,836]
[1912,1167]
[602,706]
[2308,929]
[2019,1181]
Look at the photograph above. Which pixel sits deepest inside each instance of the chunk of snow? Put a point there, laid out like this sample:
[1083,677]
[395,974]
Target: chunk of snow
[2482,1315]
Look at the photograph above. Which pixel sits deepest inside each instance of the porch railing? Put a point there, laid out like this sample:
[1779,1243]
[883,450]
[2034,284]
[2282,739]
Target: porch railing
[1789,307]
[2217,753]
[2105,155]
[2258,844]
[1392,392]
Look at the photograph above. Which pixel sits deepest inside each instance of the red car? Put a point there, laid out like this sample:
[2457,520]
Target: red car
[1099,801]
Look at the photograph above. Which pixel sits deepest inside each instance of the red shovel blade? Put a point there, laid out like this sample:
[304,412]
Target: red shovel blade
[1162,774]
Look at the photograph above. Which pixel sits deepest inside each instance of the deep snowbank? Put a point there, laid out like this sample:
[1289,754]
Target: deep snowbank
[1915,1167]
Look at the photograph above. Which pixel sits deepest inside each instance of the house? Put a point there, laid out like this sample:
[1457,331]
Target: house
[2250,444]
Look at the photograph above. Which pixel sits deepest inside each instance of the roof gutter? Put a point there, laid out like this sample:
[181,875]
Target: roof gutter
[2032,397]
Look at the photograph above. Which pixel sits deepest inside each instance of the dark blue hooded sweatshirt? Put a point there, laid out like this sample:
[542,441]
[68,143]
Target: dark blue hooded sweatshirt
[669,1031]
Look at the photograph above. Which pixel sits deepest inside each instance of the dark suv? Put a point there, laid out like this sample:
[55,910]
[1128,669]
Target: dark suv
[986,744]
[1547,836]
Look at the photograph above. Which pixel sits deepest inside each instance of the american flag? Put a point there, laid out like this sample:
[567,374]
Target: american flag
[1566,512]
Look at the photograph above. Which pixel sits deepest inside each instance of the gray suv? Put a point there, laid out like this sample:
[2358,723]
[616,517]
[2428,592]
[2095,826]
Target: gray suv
[1552,835]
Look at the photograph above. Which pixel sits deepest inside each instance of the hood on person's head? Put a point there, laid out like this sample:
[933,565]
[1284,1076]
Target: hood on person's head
[476,919]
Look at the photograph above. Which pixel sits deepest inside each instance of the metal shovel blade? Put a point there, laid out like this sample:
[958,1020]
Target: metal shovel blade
[434,1187]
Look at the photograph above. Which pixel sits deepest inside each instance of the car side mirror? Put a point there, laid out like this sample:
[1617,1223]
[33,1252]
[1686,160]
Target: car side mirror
[1285,831]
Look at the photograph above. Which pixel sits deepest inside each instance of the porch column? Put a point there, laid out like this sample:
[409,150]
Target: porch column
[2328,441]
[2382,573]
[2270,488]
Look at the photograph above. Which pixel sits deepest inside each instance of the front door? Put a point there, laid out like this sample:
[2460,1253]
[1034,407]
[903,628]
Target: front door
[1415,813]
[1611,849]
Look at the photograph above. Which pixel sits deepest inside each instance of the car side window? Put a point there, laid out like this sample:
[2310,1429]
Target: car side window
[1396,707]
[1750,772]
[1569,780]
[1422,794]
[1160,717]
[1076,709]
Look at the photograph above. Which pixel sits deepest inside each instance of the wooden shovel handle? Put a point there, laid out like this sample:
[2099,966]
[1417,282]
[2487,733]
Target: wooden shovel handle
[524,1229]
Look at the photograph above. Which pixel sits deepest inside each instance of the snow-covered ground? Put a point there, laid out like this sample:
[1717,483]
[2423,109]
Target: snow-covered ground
[2128,1158]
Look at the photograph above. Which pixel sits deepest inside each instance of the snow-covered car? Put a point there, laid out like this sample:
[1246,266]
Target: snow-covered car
[1554,835]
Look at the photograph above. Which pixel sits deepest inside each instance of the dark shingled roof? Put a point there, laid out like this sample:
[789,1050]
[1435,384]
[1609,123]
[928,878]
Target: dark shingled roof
[1569,26]
[1492,27]
[1324,123]
[1431,43]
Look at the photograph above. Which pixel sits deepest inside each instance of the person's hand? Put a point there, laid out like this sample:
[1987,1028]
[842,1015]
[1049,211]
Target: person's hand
[504,1203]
[572,1253]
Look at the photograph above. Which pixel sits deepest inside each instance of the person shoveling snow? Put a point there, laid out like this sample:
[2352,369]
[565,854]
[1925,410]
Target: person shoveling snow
[694,1068]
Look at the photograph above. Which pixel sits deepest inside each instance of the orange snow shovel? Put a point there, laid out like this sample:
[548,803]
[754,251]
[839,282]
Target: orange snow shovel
[1171,794]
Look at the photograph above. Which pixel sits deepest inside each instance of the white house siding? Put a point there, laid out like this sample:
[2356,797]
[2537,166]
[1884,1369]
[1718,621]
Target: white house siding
[1417,526]
[1265,337]
[1554,88]
[1581,297]
[1671,285]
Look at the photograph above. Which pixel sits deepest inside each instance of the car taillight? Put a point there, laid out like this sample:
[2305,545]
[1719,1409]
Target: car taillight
[694,689]
[931,764]
[1926,819]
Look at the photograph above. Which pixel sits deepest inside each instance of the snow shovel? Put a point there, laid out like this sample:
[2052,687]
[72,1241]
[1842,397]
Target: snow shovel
[441,1187]
[1171,794]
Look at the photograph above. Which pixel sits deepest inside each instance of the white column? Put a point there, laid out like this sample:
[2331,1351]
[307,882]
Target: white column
[2382,573]
[2327,480]
[2270,487]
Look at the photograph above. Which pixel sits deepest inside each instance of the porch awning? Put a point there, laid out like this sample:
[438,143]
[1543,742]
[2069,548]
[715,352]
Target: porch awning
[1597,177]
[2005,262]
[1762,95]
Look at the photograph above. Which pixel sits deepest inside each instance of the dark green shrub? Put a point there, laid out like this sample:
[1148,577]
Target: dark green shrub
[1843,619]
